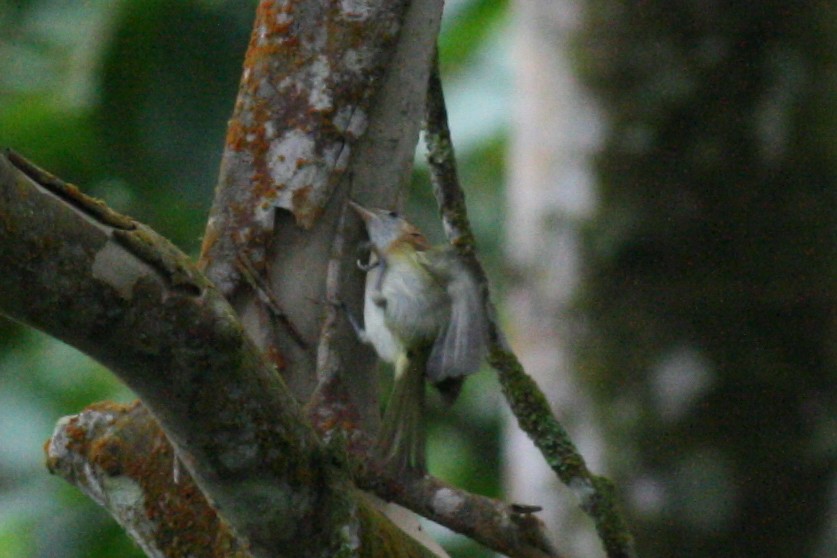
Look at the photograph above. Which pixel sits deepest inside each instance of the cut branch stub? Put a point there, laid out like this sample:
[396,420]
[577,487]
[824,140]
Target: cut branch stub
[119,457]
[310,73]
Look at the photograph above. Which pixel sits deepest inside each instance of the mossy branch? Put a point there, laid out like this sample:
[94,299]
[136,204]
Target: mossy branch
[527,401]
[122,294]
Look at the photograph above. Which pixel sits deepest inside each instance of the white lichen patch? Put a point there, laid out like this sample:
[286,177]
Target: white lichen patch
[124,494]
[350,534]
[269,130]
[356,60]
[126,503]
[265,89]
[583,490]
[319,96]
[293,165]
[245,118]
[285,83]
[286,153]
[262,34]
[283,17]
[447,502]
[57,448]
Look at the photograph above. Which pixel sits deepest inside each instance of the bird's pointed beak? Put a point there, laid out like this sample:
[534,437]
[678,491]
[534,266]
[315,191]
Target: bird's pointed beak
[364,213]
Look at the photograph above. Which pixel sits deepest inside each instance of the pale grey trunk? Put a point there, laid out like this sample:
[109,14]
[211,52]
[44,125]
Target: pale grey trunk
[550,191]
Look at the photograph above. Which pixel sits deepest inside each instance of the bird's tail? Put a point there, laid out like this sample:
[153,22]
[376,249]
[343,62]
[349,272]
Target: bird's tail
[401,443]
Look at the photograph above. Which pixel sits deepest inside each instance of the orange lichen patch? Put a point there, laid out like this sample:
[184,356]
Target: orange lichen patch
[75,432]
[331,409]
[275,356]
[272,33]
[235,136]
[186,522]
[108,454]
[301,195]
[304,209]
[52,461]
[135,447]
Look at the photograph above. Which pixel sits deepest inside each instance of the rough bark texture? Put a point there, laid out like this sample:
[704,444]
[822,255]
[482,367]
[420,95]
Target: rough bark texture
[329,107]
[712,271]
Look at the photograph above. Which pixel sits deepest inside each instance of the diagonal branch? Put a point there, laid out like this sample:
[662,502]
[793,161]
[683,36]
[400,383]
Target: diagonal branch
[116,290]
[527,401]
[508,529]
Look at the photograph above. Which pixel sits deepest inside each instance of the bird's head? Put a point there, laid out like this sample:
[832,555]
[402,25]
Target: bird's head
[387,229]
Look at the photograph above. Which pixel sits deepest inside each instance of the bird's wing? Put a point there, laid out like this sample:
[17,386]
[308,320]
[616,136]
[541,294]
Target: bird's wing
[461,345]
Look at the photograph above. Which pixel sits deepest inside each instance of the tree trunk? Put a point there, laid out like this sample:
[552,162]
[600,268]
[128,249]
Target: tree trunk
[550,194]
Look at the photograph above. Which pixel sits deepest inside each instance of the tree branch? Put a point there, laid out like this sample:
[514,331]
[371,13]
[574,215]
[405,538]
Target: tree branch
[504,528]
[527,401]
[125,296]
[119,457]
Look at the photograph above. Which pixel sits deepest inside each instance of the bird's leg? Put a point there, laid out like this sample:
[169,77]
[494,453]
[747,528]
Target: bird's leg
[373,260]
[358,329]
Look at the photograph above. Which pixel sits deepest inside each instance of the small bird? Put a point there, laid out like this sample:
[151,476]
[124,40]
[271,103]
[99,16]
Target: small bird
[423,313]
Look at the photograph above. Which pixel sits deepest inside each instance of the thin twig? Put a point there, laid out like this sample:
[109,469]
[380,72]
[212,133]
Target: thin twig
[527,401]
[327,360]
[252,276]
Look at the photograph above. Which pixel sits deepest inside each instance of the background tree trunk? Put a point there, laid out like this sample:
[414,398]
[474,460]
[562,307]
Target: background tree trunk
[550,193]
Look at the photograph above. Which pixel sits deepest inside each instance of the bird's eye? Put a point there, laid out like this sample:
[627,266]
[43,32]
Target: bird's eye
[393,214]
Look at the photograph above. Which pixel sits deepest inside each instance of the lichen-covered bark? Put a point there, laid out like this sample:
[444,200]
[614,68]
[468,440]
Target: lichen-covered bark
[329,106]
[310,73]
[118,456]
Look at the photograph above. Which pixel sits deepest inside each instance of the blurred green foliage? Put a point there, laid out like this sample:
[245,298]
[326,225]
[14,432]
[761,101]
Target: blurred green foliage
[129,99]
